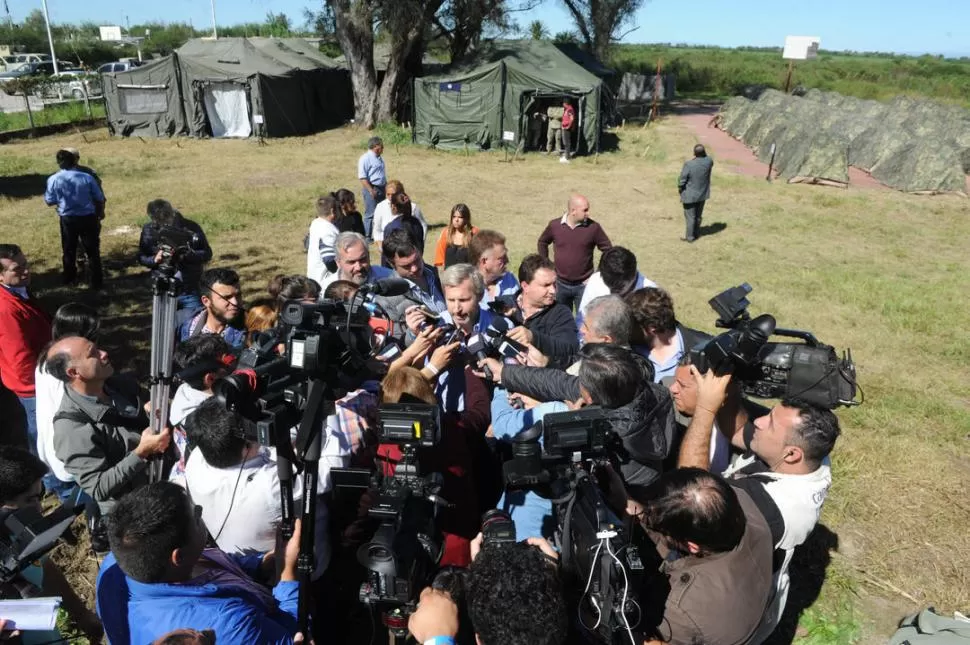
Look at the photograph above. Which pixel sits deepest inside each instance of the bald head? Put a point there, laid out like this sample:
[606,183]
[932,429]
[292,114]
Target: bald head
[577,210]
[79,362]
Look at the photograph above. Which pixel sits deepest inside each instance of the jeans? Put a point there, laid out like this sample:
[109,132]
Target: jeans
[29,404]
[692,217]
[370,203]
[87,230]
[189,301]
[569,294]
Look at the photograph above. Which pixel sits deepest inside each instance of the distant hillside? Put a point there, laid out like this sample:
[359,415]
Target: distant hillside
[721,73]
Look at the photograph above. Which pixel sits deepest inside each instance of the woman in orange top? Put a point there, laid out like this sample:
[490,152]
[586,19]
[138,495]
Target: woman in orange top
[452,247]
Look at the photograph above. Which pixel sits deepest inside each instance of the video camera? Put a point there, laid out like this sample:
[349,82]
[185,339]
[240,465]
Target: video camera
[174,243]
[27,535]
[325,351]
[811,371]
[598,555]
[403,553]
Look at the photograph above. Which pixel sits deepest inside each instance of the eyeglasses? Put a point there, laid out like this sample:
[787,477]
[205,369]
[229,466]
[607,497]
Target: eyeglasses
[234,298]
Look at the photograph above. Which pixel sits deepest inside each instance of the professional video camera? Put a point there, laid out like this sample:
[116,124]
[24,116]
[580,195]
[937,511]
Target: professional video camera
[27,535]
[598,555]
[811,371]
[174,243]
[403,553]
[326,346]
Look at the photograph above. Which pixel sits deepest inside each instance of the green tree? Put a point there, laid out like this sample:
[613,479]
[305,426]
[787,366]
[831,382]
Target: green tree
[599,21]
[277,24]
[562,37]
[538,31]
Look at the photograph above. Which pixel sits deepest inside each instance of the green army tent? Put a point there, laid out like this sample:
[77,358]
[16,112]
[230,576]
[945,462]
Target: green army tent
[484,101]
[231,87]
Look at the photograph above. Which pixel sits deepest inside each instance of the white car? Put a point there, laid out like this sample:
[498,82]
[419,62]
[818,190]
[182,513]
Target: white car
[72,83]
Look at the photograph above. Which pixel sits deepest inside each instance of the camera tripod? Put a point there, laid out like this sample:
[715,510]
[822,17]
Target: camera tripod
[165,291]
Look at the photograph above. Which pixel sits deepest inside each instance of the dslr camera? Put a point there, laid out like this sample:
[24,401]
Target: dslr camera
[810,370]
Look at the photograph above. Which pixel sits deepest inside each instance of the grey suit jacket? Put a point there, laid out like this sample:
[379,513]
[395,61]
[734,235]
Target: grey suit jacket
[695,180]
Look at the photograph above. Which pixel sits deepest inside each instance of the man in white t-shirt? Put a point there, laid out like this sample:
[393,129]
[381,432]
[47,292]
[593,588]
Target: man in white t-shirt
[383,215]
[72,319]
[785,470]
[617,275]
[321,241]
[236,482]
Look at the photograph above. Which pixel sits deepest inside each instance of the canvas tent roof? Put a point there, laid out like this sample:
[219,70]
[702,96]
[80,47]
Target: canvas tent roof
[486,95]
[908,144]
[267,86]
[585,60]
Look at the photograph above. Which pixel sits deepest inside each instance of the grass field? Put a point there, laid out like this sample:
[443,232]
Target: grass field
[875,270]
[53,114]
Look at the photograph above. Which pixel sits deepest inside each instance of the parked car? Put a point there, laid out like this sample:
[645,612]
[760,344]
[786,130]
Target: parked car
[72,83]
[29,69]
[14,60]
[119,66]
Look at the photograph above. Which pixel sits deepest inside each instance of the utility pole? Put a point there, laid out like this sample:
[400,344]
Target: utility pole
[50,38]
[215,34]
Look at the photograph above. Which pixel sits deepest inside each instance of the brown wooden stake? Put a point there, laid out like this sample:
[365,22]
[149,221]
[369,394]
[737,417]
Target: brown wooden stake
[791,68]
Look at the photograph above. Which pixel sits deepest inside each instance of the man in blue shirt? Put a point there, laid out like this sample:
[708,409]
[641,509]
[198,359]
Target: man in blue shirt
[373,179]
[160,577]
[487,253]
[80,204]
[657,334]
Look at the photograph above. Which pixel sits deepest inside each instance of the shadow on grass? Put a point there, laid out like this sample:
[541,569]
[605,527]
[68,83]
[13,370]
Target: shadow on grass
[712,229]
[609,142]
[23,186]
[807,571]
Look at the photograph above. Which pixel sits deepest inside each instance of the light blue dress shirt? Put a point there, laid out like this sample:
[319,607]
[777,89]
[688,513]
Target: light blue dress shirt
[74,192]
[371,168]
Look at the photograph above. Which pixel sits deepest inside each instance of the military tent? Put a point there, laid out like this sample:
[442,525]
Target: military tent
[231,87]
[484,101]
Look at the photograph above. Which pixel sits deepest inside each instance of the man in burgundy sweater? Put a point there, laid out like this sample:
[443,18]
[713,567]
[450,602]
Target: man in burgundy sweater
[573,236]
[24,331]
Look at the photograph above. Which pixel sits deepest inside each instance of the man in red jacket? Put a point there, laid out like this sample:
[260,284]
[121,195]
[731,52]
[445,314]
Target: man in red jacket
[24,331]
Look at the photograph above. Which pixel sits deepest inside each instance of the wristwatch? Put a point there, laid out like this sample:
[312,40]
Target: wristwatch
[440,640]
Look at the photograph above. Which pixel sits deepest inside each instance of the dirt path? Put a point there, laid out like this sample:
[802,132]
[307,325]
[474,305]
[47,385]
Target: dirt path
[740,158]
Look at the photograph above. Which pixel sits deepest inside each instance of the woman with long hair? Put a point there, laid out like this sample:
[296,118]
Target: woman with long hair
[348,218]
[452,247]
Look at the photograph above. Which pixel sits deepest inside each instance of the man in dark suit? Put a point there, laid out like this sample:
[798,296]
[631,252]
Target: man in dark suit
[695,189]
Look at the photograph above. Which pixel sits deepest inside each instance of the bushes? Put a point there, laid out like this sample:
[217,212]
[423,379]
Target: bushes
[723,72]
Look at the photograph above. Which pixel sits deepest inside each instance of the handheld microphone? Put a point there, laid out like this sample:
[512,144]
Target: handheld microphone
[387,287]
[476,347]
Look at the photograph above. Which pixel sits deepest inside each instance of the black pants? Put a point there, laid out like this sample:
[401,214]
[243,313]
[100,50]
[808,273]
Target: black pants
[692,216]
[87,230]
[566,143]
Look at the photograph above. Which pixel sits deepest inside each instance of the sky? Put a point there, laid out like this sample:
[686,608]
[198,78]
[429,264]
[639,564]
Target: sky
[929,26]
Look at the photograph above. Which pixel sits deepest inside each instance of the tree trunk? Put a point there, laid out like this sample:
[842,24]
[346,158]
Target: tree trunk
[355,32]
[407,35]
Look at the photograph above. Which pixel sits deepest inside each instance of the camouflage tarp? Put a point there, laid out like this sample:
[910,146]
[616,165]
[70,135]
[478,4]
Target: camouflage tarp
[913,145]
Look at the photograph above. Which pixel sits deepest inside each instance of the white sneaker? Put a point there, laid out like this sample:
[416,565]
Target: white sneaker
[563,160]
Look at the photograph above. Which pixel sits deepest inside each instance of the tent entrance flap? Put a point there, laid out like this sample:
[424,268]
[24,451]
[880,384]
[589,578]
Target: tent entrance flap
[227,110]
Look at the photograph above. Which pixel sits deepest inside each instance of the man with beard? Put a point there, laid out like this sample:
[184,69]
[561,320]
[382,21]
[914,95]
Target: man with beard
[221,306]
[100,431]
[353,262]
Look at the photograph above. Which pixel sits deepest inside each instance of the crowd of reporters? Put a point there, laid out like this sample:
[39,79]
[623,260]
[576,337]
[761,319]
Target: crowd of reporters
[723,489]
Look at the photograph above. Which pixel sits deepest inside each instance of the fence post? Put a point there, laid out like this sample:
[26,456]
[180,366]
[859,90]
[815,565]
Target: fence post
[30,115]
[87,103]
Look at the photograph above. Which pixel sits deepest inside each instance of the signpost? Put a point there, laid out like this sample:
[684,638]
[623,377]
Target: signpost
[798,48]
